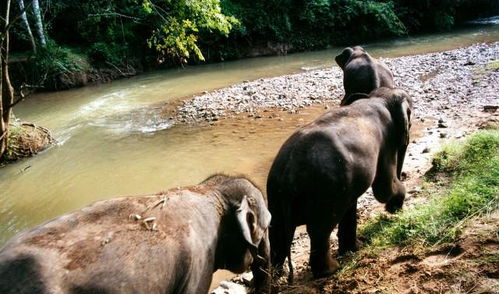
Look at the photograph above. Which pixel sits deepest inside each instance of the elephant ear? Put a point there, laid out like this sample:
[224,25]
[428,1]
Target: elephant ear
[249,224]
[405,125]
[342,59]
[352,98]
[406,113]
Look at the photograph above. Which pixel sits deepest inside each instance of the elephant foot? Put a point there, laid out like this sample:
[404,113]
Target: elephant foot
[342,250]
[324,267]
[395,204]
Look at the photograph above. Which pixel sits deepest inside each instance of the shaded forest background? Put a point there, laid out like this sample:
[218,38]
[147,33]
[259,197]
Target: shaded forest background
[127,36]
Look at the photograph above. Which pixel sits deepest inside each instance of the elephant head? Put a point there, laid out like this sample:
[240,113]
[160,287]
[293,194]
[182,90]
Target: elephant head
[362,73]
[400,104]
[244,240]
[347,54]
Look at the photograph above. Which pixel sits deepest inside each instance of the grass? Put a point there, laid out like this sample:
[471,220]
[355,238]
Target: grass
[473,172]
[494,65]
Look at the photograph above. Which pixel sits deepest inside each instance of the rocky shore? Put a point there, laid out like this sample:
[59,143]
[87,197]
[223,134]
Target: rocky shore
[436,81]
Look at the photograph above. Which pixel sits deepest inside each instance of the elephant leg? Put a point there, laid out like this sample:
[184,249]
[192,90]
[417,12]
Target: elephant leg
[321,261]
[281,237]
[347,231]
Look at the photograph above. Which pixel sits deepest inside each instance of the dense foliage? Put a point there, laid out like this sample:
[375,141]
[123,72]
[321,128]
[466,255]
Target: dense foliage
[150,32]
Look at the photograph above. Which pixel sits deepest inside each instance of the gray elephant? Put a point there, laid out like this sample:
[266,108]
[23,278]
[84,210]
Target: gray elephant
[323,168]
[362,73]
[170,242]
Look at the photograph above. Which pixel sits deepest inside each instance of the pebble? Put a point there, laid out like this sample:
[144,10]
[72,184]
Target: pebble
[229,288]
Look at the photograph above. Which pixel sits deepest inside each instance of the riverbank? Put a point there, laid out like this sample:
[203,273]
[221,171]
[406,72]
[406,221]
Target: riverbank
[455,92]
[451,76]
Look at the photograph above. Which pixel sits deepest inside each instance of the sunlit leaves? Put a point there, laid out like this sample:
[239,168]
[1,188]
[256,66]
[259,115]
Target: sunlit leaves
[177,25]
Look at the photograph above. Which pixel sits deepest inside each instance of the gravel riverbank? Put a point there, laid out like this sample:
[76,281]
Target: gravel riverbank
[433,80]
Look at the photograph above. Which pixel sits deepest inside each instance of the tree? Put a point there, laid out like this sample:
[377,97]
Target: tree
[39,23]
[24,17]
[6,89]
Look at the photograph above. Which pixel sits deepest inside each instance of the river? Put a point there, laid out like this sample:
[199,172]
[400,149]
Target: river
[112,143]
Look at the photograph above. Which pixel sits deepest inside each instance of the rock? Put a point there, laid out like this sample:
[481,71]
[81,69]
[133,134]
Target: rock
[415,190]
[229,288]
[443,135]
[247,278]
[426,150]
[442,125]
[490,108]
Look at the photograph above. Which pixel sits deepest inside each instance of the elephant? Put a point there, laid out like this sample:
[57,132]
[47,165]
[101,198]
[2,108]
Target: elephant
[323,168]
[362,73]
[170,242]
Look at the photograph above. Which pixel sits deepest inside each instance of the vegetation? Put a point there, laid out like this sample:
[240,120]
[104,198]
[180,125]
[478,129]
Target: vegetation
[473,171]
[146,33]
[25,139]
[6,90]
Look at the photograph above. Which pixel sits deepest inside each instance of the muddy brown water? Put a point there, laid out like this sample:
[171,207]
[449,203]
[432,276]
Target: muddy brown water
[111,143]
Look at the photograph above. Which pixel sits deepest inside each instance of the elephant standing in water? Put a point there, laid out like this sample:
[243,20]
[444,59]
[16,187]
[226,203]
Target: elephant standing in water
[323,168]
[362,73]
[171,242]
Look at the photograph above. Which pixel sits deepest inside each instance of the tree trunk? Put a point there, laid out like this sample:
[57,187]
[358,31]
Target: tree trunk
[24,17]
[38,22]
[6,89]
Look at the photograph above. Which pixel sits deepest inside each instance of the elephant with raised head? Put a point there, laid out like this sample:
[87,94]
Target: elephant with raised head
[323,168]
[170,242]
[362,73]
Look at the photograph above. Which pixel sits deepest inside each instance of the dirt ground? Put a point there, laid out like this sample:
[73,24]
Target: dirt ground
[470,265]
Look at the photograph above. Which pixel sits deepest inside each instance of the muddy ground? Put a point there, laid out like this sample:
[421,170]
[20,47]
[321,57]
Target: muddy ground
[455,93]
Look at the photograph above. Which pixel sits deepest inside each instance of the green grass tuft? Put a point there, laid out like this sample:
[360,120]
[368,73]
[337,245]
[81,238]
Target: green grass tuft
[493,65]
[473,168]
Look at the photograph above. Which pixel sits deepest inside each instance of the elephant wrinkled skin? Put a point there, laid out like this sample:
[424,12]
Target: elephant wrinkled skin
[362,73]
[323,168]
[171,242]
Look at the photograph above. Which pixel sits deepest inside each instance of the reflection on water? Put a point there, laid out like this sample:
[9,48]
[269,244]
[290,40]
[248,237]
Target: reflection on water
[486,21]
[111,142]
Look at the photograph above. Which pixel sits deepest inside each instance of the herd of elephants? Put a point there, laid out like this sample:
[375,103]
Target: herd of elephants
[173,241]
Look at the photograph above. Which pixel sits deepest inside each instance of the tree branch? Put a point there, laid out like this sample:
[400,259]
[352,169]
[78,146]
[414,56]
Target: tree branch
[22,95]
[114,14]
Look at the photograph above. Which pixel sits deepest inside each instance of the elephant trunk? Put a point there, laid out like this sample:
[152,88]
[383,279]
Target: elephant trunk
[400,159]
[261,266]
